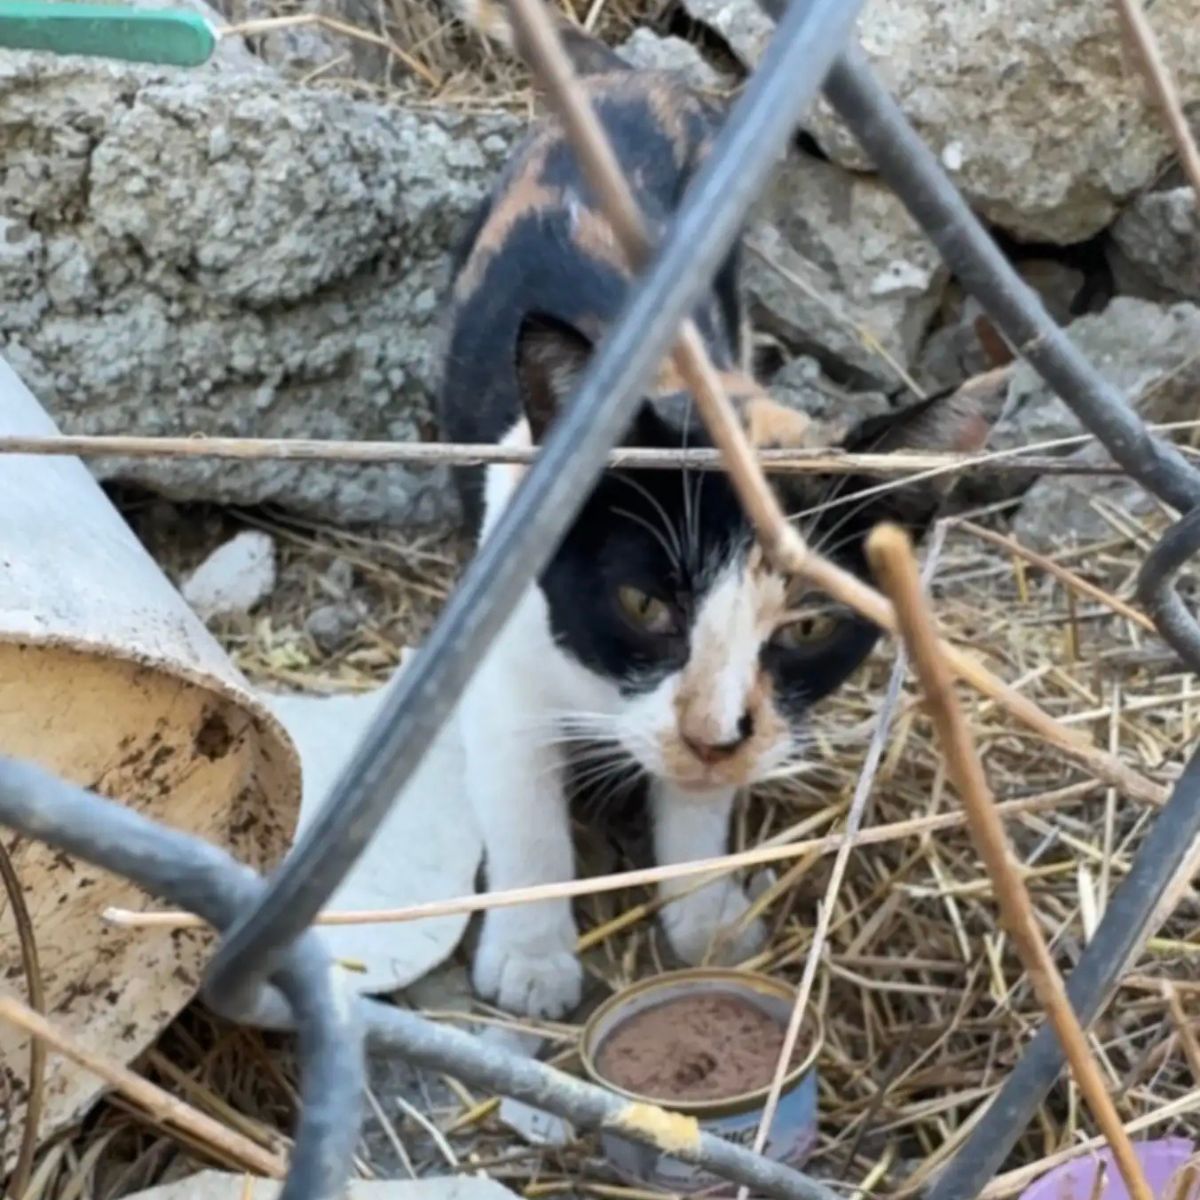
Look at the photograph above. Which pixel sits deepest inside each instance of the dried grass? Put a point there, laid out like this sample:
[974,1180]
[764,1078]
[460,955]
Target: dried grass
[924,1001]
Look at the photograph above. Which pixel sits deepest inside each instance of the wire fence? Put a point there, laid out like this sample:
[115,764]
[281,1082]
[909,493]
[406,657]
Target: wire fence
[271,968]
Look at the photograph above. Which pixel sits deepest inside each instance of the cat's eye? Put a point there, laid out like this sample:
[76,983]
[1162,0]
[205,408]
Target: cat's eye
[646,612]
[804,631]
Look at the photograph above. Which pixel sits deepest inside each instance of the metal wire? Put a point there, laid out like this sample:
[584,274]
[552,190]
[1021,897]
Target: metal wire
[205,880]
[305,995]
[913,172]
[915,175]
[271,969]
[750,143]
[1117,938]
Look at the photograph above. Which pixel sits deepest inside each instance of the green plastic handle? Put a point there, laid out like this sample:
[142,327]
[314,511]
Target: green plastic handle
[166,36]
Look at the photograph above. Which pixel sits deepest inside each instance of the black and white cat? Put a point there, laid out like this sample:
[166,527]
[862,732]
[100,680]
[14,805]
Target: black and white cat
[658,638]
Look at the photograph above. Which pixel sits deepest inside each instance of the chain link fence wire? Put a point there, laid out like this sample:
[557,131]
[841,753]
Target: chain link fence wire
[271,968]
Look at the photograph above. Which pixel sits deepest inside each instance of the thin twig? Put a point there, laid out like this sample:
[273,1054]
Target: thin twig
[37,1002]
[1140,35]
[1183,1027]
[171,1111]
[483,901]
[271,24]
[891,556]
[1065,576]
[815,460]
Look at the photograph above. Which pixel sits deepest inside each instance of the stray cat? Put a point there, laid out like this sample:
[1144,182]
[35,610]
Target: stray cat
[658,637]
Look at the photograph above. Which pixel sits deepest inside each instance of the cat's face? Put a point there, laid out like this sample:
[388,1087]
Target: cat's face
[659,588]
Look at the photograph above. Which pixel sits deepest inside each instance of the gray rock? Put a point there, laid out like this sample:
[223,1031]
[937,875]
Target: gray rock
[1146,350]
[205,253]
[848,259]
[332,625]
[955,351]
[1154,247]
[646,49]
[1032,106]
[1066,510]
[234,577]
[802,385]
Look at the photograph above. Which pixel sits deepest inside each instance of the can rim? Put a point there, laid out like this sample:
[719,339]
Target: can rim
[744,980]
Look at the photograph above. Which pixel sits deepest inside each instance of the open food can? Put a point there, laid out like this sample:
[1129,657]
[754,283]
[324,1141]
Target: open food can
[704,1043]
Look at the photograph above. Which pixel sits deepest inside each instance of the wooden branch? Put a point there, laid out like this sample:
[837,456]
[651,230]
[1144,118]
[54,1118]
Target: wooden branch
[892,559]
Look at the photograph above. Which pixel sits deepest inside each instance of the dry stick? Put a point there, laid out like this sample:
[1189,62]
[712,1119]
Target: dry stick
[166,1108]
[815,460]
[1158,75]
[483,901]
[1064,575]
[542,49]
[821,460]
[858,804]
[891,557]
[37,1002]
[1183,1027]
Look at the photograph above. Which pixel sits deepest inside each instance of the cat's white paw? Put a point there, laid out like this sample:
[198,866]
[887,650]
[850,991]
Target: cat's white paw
[530,977]
[704,920]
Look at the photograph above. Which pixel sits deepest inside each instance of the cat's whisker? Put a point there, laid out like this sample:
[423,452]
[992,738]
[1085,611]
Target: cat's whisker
[669,550]
[668,524]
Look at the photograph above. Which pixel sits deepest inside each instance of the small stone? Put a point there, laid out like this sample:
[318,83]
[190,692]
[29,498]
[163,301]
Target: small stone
[955,351]
[340,576]
[1146,351]
[331,626]
[1061,511]
[801,384]
[234,577]
[650,51]
[1154,249]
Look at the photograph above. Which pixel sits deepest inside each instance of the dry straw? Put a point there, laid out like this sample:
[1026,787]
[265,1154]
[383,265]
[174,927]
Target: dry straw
[893,562]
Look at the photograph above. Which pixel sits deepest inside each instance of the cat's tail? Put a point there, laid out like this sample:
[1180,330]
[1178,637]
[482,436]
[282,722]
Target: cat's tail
[588,54]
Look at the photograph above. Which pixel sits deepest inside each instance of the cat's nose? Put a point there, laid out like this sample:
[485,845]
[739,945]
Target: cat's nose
[710,753]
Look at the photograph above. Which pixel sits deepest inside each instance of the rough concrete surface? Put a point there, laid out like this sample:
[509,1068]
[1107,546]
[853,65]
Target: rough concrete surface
[222,254]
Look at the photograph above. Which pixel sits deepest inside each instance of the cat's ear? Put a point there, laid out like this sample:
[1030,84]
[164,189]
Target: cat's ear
[551,355]
[958,420]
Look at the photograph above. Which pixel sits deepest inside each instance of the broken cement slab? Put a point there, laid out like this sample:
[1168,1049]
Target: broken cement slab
[428,847]
[224,1185]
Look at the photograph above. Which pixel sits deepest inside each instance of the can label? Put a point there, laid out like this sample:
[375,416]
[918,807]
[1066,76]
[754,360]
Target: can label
[792,1138]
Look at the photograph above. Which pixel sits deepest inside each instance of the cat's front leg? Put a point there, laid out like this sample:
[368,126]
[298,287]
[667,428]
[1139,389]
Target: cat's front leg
[687,827]
[526,959]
